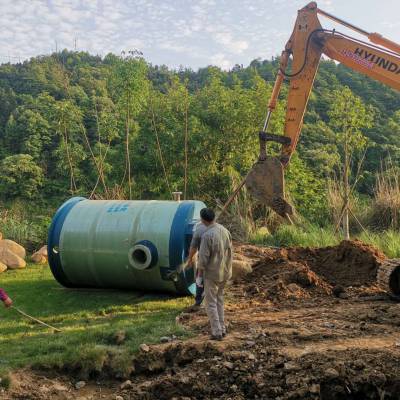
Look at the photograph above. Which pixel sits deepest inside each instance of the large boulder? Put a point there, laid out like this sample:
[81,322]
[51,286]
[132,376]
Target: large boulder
[3,267]
[13,247]
[43,251]
[241,266]
[13,261]
[38,258]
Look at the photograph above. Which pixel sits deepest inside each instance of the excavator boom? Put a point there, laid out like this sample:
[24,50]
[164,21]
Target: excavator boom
[308,42]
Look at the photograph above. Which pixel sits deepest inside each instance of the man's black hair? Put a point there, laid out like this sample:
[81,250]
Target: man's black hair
[207,214]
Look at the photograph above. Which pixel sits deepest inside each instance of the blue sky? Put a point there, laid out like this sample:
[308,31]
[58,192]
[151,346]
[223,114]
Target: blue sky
[174,32]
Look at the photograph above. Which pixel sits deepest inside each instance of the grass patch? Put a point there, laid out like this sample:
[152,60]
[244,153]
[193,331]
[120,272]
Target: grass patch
[292,235]
[315,236]
[89,320]
[388,241]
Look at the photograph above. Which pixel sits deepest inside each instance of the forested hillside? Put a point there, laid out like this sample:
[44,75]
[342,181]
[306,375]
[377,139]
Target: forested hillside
[76,124]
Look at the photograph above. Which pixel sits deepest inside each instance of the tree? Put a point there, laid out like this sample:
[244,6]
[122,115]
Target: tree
[20,177]
[129,86]
[348,116]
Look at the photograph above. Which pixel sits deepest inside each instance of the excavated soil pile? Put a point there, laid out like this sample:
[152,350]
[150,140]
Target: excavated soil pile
[257,371]
[277,278]
[297,272]
[351,263]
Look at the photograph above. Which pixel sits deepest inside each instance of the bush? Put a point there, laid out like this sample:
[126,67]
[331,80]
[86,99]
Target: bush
[385,210]
[20,177]
[24,226]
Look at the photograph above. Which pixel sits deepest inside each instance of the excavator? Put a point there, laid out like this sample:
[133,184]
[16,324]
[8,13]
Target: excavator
[379,59]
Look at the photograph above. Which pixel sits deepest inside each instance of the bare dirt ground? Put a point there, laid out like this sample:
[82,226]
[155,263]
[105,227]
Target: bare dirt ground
[305,324]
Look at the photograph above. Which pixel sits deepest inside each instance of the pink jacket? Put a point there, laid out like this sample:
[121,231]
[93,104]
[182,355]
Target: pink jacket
[3,295]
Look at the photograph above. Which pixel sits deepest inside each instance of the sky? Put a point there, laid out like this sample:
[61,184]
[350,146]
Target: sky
[189,33]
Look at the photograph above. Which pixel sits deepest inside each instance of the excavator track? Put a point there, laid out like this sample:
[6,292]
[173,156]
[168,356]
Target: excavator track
[388,276]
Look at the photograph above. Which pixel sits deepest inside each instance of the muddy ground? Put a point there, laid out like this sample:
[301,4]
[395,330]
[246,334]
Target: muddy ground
[304,324]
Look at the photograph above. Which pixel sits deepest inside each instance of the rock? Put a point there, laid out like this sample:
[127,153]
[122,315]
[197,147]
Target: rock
[377,378]
[240,268]
[358,364]
[3,267]
[58,387]
[315,388]
[119,398]
[291,380]
[44,389]
[291,366]
[144,347]
[331,373]
[38,258]
[338,290]
[13,261]
[165,339]
[363,326]
[13,247]
[126,385]
[43,251]
[119,337]
[80,385]
[228,365]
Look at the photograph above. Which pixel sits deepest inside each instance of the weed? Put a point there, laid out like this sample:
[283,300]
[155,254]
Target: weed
[292,235]
[388,241]
[386,205]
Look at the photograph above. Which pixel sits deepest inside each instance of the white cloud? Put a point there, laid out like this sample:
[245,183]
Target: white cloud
[220,60]
[188,32]
[234,46]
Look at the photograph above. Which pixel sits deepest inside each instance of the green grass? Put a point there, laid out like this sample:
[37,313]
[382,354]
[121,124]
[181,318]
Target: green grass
[309,235]
[293,235]
[88,319]
[388,241]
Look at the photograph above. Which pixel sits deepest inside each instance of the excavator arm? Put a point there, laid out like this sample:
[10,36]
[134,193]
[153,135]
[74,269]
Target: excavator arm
[308,42]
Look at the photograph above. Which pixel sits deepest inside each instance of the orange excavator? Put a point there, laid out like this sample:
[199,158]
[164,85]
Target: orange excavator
[379,59]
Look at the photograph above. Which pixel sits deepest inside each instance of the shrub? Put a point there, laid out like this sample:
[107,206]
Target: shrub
[385,212]
[20,177]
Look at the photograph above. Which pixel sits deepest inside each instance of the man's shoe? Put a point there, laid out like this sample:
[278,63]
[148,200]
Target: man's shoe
[193,308]
[216,337]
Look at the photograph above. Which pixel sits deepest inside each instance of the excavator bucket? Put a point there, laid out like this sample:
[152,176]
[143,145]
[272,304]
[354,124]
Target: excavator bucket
[266,183]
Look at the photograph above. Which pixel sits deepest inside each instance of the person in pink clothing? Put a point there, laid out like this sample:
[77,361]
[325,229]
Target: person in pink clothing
[5,298]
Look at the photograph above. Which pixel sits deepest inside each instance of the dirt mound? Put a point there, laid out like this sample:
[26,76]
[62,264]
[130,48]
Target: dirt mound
[296,273]
[279,278]
[351,263]
[255,370]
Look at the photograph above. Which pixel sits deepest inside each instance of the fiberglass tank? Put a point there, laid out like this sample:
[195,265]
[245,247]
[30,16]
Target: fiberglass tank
[123,244]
